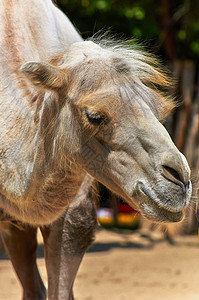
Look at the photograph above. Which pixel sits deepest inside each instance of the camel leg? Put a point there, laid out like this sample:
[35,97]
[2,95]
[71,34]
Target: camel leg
[66,242]
[21,247]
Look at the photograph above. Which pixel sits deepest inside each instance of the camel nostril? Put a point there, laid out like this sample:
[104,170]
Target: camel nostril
[172,175]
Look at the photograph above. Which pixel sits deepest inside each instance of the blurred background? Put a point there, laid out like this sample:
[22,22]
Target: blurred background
[170,29]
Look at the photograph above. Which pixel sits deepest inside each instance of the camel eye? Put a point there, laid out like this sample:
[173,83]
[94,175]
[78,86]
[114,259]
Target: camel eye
[95,118]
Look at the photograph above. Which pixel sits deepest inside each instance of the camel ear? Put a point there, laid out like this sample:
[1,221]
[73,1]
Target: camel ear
[43,75]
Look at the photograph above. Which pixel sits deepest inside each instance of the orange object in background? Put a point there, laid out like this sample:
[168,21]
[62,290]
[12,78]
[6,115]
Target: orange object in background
[126,217]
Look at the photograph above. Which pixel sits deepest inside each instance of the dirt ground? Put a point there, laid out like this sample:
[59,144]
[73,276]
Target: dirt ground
[124,266]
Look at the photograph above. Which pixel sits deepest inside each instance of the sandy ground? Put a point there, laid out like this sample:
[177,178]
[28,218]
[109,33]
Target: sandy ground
[124,266]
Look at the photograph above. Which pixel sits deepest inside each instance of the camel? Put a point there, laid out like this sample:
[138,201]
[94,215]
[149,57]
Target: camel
[71,112]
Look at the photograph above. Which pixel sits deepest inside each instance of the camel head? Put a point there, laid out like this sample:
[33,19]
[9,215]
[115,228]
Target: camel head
[109,108]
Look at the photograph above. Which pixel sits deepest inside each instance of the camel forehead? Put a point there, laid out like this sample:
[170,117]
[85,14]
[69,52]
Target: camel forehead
[88,48]
[91,52]
[96,68]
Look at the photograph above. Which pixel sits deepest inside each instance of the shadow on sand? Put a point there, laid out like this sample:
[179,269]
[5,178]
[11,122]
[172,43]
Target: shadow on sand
[145,243]
[126,239]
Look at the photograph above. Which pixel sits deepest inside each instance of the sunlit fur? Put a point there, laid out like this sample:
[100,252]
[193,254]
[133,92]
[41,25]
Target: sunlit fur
[48,145]
[71,112]
[119,65]
[125,63]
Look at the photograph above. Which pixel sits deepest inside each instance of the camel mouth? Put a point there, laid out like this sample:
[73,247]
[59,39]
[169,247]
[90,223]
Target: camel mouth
[155,211]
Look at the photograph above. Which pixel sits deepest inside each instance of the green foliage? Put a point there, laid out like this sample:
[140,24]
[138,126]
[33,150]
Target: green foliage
[186,17]
[126,17]
[141,19]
